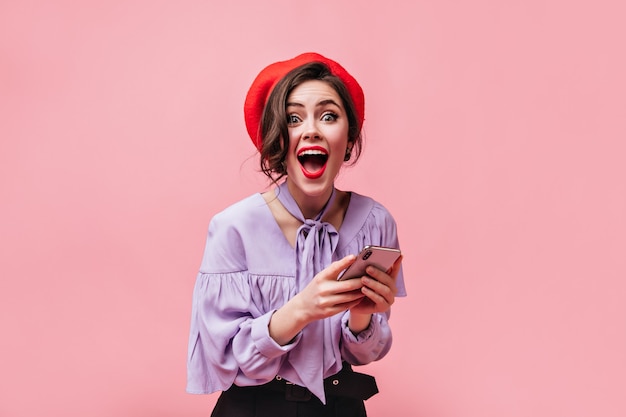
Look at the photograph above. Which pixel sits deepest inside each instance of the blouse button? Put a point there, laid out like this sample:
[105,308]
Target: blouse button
[335,382]
[279,378]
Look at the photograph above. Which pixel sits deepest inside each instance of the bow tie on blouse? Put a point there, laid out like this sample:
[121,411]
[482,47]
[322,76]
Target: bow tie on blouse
[315,244]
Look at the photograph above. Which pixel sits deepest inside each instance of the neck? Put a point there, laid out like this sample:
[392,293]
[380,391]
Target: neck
[310,205]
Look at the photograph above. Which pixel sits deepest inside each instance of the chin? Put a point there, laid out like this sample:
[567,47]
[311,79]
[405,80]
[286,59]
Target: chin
[312,187]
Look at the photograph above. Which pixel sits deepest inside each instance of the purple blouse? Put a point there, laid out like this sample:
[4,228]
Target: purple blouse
[249,270]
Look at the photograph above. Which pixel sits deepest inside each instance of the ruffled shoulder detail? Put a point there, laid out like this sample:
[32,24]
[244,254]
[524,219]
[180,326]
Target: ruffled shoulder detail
[369,222]
[240,237]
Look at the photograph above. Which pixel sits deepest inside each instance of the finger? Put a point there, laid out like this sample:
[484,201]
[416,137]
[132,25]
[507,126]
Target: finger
[382,303]
[338,304]
[387,292]
[381,276]
[335,268]
[348,285]
[379,281]
[395,268]
[347,306]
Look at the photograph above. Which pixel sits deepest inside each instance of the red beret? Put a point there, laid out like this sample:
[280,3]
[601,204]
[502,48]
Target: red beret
[266,80]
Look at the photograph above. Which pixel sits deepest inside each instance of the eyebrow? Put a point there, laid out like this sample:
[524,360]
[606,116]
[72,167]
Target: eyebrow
[320,104]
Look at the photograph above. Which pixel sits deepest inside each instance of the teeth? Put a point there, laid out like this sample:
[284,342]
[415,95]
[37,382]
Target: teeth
[311,152]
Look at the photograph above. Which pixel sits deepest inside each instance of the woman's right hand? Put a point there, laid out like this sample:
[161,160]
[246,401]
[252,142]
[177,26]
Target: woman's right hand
[323,297]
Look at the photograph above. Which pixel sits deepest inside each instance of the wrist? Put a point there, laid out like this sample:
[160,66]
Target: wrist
[286,323]
[358,322]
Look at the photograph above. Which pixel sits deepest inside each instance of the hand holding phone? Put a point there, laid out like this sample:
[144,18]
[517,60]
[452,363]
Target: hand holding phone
[377,256]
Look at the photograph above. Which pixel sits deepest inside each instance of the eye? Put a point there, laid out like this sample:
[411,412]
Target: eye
[329,117]
[292,119]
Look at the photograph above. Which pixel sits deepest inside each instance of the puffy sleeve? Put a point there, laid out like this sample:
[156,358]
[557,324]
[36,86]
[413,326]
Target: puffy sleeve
[229,336]
[373,343]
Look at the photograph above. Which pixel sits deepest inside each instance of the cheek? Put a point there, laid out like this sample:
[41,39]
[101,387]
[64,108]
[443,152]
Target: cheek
[292,142]
[338,138]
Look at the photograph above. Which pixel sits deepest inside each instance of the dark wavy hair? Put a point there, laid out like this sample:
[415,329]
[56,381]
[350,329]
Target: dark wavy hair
[274,120]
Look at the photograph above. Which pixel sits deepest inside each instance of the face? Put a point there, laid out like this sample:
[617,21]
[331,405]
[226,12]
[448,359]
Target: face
[318,139]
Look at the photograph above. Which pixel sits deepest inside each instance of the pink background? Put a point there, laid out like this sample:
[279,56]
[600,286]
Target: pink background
[495,134]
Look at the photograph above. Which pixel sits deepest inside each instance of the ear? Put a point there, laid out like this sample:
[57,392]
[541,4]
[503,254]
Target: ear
[348,153]
[350,145]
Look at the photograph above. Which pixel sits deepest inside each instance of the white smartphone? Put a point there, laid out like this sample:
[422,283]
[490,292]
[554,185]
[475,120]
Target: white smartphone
[378,256]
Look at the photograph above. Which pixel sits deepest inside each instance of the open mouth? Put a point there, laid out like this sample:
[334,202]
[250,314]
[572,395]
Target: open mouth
[313,161]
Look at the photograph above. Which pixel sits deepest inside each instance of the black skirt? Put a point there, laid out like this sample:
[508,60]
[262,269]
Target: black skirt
[345,393]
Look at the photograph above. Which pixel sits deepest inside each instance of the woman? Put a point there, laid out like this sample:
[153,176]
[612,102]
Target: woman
[272,327]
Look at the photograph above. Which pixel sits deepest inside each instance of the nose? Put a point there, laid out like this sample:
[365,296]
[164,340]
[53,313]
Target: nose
[311,131]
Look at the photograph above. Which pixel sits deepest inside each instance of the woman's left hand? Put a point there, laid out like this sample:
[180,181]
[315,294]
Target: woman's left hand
[380,291]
